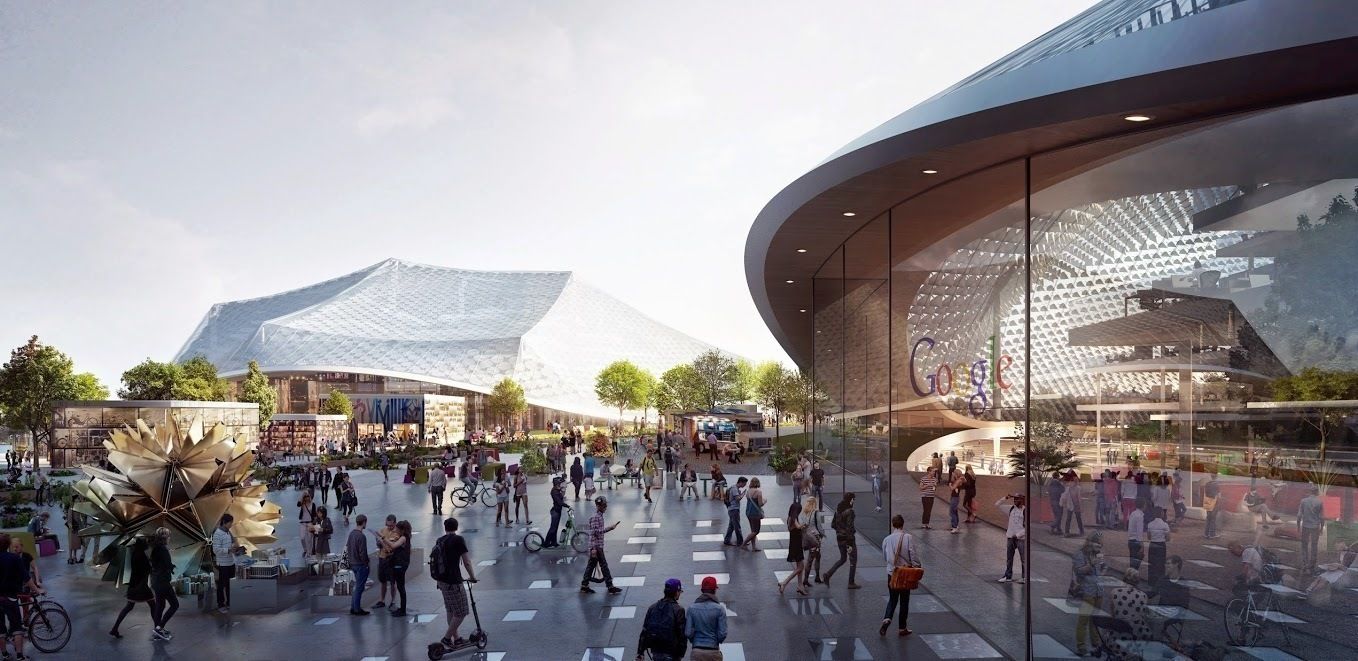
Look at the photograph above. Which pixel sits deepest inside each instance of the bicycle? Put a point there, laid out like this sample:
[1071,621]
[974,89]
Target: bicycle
[47,623]
[578,540]
[465,495]
[1246,619]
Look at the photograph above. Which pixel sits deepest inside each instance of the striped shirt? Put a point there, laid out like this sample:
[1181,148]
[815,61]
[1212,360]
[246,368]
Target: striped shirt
[928,484]
[596,531]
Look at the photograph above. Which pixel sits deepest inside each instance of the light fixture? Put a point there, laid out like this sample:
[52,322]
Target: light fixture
[849,214]
[790,281]
[802,310]
[929,171]
[1138,118]
[801,250]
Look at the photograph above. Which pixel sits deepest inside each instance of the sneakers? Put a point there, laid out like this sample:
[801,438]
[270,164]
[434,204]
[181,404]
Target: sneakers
[158,634]
[854,586]
[1006,579]
[380,604]
[360,612]
[954,531]
[614,590]
[585,589]
[224,610]
[886,624]
[399,612]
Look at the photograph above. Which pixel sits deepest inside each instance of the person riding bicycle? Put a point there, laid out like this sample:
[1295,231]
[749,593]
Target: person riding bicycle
[558,502]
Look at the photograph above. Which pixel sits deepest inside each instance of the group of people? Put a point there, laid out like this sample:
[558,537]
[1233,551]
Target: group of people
[958,485]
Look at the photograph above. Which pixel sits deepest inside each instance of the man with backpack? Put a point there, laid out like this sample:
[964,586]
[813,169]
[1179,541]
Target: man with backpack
[846,531]
[448,552]
[662,632]
[733,496]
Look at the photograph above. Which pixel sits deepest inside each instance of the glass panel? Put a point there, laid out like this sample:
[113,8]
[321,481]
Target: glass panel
[1194,344]
[828,372]
[866,380]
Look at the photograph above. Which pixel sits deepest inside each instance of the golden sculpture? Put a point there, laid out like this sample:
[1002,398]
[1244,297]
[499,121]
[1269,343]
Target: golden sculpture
[182,480]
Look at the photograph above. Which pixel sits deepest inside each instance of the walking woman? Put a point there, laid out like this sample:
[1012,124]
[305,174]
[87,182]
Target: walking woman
[338,485]
[578,477]
[306,516]
[400,562]
[928,485]
[521,496]
[754,513]
[812,536]
[324,529]
[794,549]
[502,498]
[650,474]
[846,531]
[1086,567]
[348,498]
[969,494]
[899,550]
[138,591]
[162,570]
[75,546]
[955,486]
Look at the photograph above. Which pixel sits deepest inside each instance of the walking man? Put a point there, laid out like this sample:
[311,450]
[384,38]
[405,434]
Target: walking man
[1310,520]
[733,497]
[1210,493]
[818,485]
[356,546]
[452,550]
[663,630]
[1014,535]
[1158,532]
[706,626]
[385,463]
[1136,533]
[846,538]
[899,550]
[596,549]
[438,483]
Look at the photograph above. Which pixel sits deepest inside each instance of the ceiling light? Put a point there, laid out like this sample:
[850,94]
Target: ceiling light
[1138,118]
[790,281]
[802,310]
[849,214]
[929,171]
[801,250]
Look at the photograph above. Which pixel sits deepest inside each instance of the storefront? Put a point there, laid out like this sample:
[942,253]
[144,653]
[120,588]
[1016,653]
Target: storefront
[80,428]
[299,433]
[423,419]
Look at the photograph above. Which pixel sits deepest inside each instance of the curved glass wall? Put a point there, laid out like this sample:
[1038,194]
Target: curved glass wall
[1154,340]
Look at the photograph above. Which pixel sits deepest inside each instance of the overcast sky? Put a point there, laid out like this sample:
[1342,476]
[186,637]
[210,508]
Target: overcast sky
[158,158]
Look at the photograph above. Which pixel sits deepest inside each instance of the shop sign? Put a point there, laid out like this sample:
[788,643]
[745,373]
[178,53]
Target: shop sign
[971,380]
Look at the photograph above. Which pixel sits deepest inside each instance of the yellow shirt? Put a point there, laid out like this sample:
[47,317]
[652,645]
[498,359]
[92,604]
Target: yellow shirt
[389,534]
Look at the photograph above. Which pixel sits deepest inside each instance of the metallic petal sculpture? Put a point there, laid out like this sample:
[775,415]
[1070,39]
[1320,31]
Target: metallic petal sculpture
[182,480]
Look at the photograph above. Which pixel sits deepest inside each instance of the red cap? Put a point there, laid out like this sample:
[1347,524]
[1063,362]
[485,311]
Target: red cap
[710,584]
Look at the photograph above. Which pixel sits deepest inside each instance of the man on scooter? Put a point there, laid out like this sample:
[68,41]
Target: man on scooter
[454,550]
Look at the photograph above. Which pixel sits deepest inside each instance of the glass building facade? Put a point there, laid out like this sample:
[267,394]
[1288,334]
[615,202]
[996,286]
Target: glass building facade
[1150,335]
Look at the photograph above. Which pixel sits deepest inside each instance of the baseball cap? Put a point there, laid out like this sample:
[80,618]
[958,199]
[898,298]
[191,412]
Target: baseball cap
[674,585]
[709,584]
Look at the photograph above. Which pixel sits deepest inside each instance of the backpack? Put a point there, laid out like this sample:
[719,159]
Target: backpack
[658,629]
[438,563]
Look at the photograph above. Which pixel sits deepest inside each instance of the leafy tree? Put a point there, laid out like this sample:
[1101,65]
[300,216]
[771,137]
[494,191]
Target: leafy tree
[88,387]
[199,382]
[1313,384]
[680,388]
[773,386]
[255,389]
[1051,452]
[338,404]
[195,380]
[805,394]
[717,375]
[746,381]
[36,376]
[506,400]
[623,385]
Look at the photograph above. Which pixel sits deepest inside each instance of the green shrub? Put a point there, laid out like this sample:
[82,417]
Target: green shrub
[534,462]
[783,459]
[488,470]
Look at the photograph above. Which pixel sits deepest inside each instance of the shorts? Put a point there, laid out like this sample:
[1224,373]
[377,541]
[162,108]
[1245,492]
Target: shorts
[384,570]
[454,598]
[9,611]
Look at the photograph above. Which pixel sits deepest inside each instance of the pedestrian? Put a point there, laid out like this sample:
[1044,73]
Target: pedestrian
[650,474]
[688,482]
[706,625]
[1110,491]
[969,494]
[1127,493]
[338,486]
[138,590]
[846,531]
[1055,490]
[596,549]
[1087,566]
[1158,533]
[438,484]
[398,555]
[734,537]
[356,549]
[306,516]
[1310,521]
[669,459]
[502,493]
[877,486]
[324,485]
[1136,533]
[1015,511]
[223,557]
[928,486]
[162,571]
[952,463]
[955,486]
[558,495]
[386,539]
[798,477]
[817,482]
[1210,493]
[577,476]
[813,538]
[898,548]
[795,553]
[521,494]
[754,513]
[663,632]
[384,462]
[322,531]
[1071,505]
[1176,494]
[75,547]
[448,558]
[13,577]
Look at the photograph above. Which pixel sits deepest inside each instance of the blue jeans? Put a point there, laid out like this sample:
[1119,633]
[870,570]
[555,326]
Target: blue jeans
[360,578]
[733,527]
[952,509]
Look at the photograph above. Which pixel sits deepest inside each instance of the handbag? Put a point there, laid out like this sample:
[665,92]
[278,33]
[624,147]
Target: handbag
[904,578]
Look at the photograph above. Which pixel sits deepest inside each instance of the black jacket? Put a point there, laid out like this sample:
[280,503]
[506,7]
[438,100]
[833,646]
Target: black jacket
[672,642]
[577,473]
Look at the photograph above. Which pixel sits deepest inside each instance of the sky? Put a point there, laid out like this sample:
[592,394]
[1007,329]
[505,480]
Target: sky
[156,158]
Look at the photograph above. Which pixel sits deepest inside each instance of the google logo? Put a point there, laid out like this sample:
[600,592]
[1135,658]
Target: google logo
[944,379]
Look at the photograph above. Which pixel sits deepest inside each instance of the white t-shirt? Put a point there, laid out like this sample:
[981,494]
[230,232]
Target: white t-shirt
[1253,558]
[1136,526]
[1158,530]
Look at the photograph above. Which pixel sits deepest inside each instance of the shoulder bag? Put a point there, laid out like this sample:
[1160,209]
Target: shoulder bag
[904,577]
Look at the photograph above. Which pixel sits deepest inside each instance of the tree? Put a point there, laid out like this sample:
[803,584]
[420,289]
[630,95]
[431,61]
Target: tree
[623,385]
[717,375]
[746,381]
[1317,385]
[805,394]
[506,400]
[679,388]
[87,387]
[36,376]
[195,380]
[1051,452]
[199,382]
[338,404]
[255,388]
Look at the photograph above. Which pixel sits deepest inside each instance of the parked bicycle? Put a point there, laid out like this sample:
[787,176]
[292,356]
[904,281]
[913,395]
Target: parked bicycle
[466,495]
[1247,616]
[576,538]
[48,625]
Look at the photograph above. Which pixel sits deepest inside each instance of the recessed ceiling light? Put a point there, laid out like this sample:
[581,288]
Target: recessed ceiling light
[929,171]
[849,214]
[790,281]
[1138,118]
[801,250]
[802,310]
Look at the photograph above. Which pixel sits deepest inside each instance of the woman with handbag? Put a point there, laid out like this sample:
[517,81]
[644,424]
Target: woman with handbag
[306,516]
[904,571]
[323,530]
[754,513]
[812,534]
[795,554]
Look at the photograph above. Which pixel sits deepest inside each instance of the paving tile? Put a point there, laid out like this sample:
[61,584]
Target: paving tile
[1044,646]
[814,606]
[629,581]
[1268,654]
[722,579]
[704,556]
[636,557]
[423,618]
[1204,563]
[540,585]
[1194,585]
[486,563]
[712,537]
[519,616]
[1281,618]
[775,554]
[1069,606]
[771,521]
[640,540]
[924,603]
[325,621]
[645,525]
[603,654]
[619,613]
[703,523]
[374,658]
[960,646]
[733,651]
[1214,547]
[771,535]
[835,649]
[782,574]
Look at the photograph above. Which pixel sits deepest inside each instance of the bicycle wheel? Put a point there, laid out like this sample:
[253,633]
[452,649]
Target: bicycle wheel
[1240,629]
[533,542]
[49,627]
[460,497]
[580,542]
[488,498]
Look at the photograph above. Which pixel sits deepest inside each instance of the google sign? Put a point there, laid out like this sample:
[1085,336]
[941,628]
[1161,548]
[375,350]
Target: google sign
[976,377]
